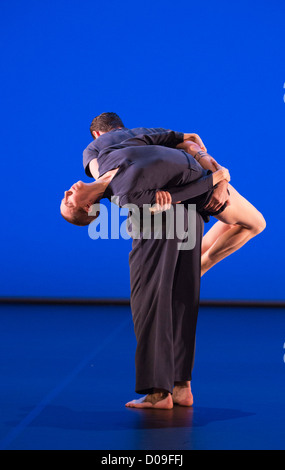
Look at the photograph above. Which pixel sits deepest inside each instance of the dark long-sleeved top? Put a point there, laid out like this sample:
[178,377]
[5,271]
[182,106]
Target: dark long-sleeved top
[147,162]
[145,169]
[101,148]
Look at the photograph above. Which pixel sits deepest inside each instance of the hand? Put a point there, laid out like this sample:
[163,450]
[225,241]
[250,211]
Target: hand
[213,162]
[197,139]
[163,201]
[219,197]
[220,175]
[225,173]
[190,147]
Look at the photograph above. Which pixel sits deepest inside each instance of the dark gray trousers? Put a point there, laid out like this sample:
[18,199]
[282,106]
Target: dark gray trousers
[165,294]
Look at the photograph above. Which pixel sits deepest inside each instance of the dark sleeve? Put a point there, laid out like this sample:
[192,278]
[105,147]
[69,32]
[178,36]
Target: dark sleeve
[88,155]
[164,138]
[191,190]
[178,193]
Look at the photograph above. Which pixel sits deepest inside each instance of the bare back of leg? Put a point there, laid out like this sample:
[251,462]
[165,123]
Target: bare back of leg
[238,223]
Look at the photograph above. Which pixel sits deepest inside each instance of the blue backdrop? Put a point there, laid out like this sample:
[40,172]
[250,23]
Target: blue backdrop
[215,68]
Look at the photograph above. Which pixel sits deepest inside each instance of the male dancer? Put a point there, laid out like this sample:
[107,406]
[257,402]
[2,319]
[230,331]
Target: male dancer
[160,320]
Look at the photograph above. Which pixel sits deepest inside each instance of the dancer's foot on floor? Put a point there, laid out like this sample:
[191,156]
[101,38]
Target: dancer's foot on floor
[160,401]
[182,394]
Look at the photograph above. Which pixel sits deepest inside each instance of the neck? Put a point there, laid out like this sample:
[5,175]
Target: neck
[98,187]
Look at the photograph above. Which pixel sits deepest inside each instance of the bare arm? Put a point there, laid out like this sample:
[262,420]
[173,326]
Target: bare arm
[221,193]
[94,168]
[205,160]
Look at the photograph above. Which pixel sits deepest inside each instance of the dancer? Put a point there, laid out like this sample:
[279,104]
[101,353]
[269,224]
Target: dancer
[164,317]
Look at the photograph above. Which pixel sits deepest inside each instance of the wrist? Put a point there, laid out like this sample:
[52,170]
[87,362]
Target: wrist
[200,154]
[219,176]
[223,183]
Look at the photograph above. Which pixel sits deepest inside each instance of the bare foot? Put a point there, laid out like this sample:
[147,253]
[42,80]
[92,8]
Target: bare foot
[161,401]
[182,394]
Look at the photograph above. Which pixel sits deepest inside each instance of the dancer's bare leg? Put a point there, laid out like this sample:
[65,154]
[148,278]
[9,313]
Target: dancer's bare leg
[160,399]
[218,229]
[244,222]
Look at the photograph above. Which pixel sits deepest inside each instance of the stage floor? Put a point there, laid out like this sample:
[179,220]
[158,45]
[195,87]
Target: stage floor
[66,373]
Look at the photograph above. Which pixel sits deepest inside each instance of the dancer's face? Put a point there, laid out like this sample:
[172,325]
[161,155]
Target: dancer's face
[79,196]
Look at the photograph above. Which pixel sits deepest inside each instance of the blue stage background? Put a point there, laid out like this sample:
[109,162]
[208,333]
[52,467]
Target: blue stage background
[215,68]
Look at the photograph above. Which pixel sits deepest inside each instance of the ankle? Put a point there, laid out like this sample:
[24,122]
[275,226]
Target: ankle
[182,384]
[157,396]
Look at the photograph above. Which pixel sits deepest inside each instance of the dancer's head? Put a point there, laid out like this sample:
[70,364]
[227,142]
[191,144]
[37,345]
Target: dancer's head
[78,200]
[105,122]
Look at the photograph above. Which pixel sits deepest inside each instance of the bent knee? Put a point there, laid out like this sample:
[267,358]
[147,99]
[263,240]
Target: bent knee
[259,224]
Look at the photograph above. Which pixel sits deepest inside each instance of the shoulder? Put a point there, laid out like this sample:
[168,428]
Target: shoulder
[89,153]
[147,130]
[92,147]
